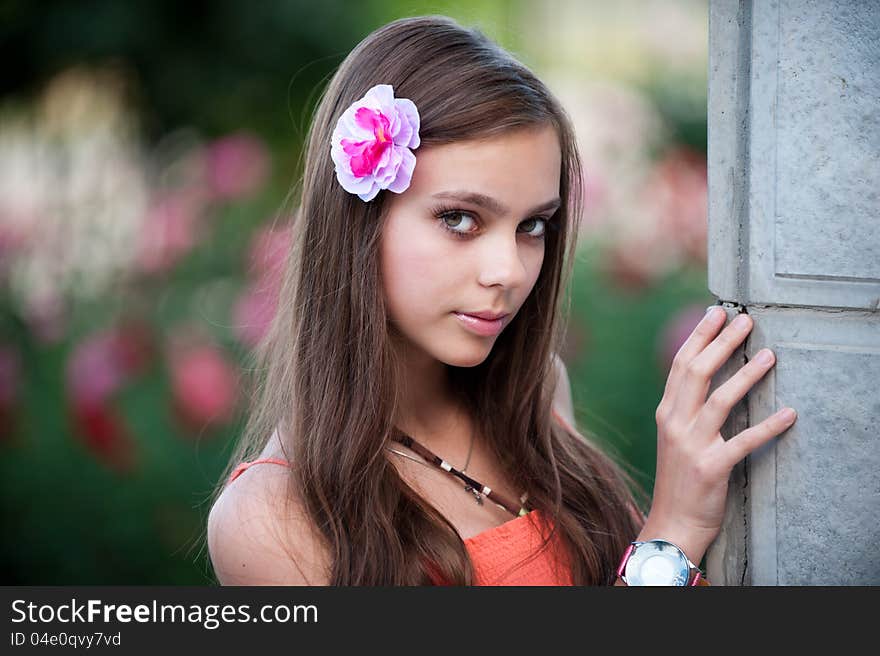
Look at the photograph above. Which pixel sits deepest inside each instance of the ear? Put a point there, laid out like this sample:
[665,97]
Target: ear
[562,400]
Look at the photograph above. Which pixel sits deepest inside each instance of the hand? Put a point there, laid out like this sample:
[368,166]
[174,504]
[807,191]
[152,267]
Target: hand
[693,460]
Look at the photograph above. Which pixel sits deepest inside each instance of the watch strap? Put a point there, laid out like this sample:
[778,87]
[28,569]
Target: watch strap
[703,581]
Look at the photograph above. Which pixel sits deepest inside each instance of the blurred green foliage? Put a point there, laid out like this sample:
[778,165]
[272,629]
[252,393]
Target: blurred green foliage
[616,377]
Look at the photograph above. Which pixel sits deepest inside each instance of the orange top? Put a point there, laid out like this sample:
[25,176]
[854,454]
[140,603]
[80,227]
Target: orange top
[501,554]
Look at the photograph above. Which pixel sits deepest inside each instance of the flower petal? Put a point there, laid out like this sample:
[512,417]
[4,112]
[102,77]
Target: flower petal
[380,98]
[404,172]
[365,155]
[386,171]
[370,195]
[407,110]
[352,184]
[347,127]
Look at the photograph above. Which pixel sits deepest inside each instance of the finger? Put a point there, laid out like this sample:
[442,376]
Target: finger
[741,445]
[699,371]
[719,404]
[693,346]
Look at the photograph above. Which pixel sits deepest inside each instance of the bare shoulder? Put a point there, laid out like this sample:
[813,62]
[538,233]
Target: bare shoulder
[255,538]
[562,399]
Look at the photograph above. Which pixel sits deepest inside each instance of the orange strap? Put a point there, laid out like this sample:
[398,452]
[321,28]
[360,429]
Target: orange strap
[244,465]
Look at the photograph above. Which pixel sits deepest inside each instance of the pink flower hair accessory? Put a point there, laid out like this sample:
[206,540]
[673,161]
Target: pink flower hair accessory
[372,143]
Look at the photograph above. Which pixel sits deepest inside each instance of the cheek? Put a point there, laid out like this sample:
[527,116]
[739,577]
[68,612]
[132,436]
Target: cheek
[533,261]
[539,266]
[413,272]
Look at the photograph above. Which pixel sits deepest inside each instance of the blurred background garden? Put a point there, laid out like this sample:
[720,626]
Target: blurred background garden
[147,150]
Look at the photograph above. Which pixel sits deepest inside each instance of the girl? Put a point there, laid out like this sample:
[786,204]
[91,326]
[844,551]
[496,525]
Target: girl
[420,423]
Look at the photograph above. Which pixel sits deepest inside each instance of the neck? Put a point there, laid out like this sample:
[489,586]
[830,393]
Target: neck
[444,430]
[429,412]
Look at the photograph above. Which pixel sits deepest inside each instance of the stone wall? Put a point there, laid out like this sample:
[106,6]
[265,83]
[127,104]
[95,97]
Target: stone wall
[794,240]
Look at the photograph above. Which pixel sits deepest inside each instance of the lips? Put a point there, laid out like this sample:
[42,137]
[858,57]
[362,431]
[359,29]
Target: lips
[480,326]
[488,316]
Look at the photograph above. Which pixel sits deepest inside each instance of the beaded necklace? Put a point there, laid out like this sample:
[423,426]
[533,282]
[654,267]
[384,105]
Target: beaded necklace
[471,485]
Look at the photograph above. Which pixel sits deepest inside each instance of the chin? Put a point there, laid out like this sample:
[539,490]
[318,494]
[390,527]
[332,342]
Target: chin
[465,355]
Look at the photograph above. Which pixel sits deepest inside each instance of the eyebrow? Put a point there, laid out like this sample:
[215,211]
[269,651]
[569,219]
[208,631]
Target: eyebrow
[492,204]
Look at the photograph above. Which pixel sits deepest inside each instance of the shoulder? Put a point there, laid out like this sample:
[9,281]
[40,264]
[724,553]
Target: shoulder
[562,400]
[255,537]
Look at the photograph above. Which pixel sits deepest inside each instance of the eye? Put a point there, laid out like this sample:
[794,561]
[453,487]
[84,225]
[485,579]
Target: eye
[453,221]
[540,222]
[458,223]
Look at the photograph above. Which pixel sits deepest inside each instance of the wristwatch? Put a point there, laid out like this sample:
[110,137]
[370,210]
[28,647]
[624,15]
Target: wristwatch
[657,562]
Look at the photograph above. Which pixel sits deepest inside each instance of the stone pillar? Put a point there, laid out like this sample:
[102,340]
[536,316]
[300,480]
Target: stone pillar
[794,240]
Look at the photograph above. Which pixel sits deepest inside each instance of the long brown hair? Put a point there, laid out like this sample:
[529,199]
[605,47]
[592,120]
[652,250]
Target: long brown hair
[329,374]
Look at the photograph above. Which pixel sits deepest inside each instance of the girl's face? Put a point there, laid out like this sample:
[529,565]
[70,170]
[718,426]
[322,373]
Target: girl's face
[467,236]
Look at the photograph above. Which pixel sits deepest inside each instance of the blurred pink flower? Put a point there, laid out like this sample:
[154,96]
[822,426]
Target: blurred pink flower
[237,166]
[253,313]
[675,332]
[99,365]
[97,368]
[635,262]
[94,370]
[15,234]
[268,251]
[671,227]
[678,190]
[204,385]
[255,308]
[46,316]
[169,231]
[135,346]
[595,191]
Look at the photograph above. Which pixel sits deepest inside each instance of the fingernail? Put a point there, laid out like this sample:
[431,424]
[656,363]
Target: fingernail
[764,356]
[742,321]
[788,414]
[710,311]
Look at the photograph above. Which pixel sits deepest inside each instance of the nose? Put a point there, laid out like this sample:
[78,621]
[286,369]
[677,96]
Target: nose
[501,262]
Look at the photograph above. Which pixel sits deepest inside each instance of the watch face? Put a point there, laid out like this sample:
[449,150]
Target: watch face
[657,562]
